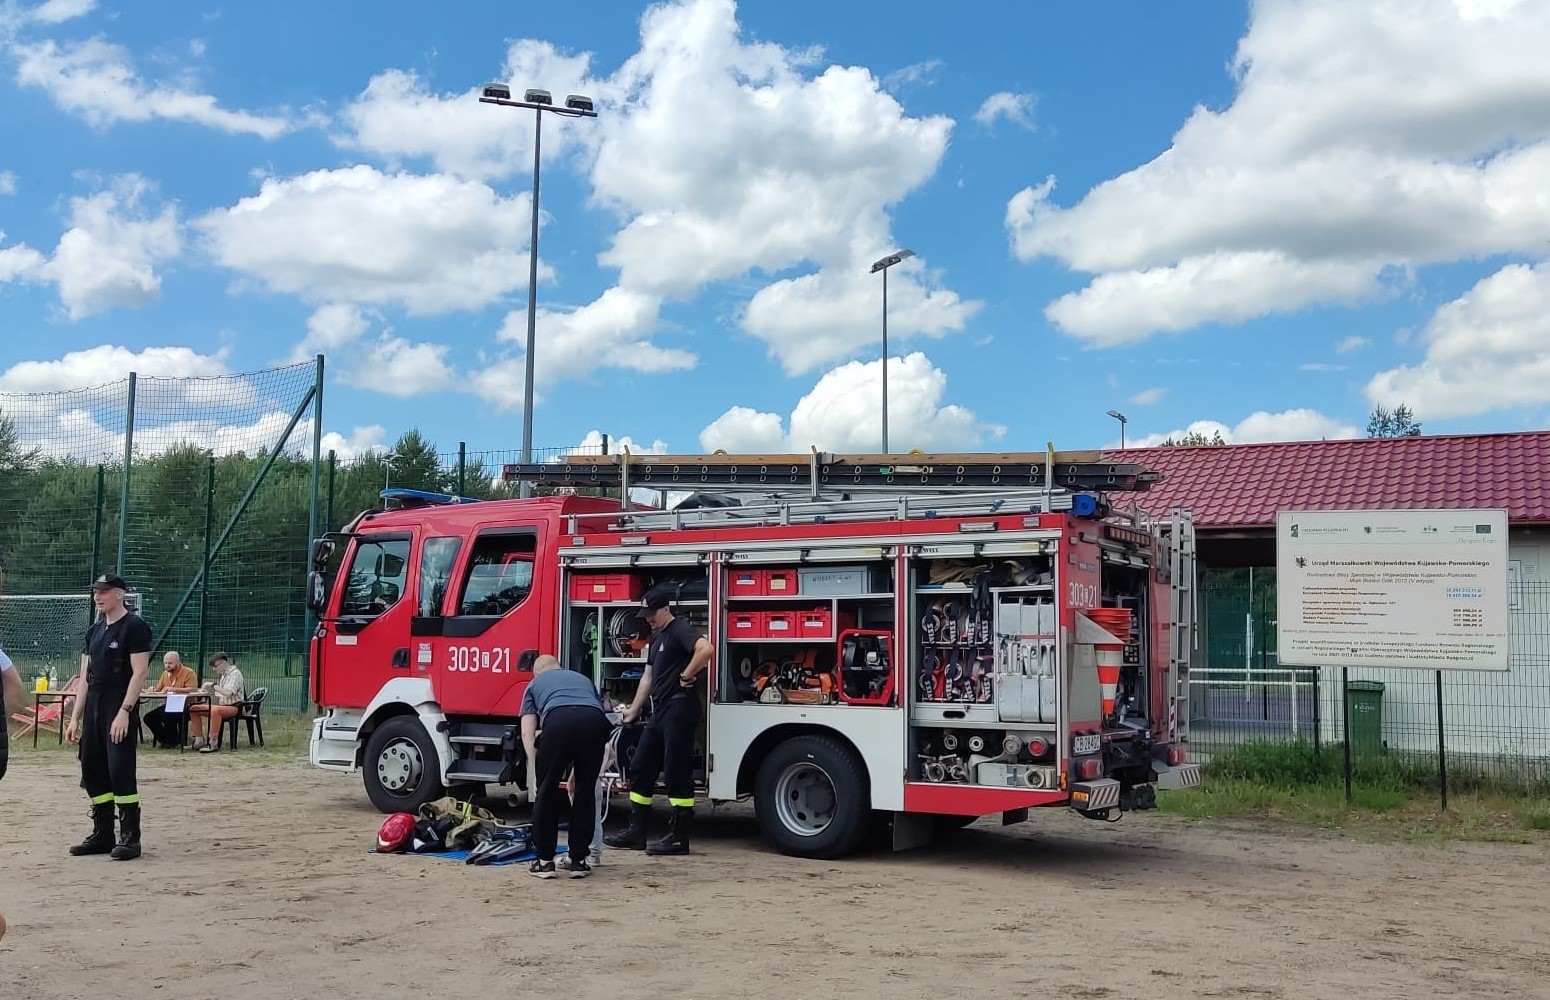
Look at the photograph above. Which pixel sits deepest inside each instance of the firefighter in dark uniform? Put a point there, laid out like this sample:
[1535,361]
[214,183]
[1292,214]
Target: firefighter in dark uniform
[675,658]
[113,671]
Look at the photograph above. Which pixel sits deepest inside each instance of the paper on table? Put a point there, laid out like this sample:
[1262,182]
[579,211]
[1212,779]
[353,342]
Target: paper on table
[175,702]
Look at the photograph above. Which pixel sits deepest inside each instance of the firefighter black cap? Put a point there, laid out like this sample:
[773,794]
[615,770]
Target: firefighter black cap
[651,603]
[109,581]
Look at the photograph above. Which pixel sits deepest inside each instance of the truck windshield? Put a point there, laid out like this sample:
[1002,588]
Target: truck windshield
[378,570]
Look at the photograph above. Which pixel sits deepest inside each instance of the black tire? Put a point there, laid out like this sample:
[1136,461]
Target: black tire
[791,777]
[401,766]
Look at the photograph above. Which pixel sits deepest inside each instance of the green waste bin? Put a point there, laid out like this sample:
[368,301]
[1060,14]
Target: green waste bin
[1365,716]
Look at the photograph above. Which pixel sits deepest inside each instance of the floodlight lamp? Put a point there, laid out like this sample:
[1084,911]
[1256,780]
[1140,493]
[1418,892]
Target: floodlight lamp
[538,97]
[499,91]
[577,102]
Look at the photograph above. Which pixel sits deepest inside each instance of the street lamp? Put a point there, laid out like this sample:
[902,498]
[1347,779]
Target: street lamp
[576,106]
[1122,422]
[883,266]
[387,468]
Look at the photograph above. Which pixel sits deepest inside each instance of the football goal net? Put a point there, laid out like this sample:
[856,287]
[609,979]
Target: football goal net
[44,632]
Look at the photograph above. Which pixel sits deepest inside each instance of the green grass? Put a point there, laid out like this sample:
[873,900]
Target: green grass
[1390,794]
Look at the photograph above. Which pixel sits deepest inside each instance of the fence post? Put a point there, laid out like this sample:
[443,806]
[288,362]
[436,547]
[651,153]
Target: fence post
[204,575]
[1442,747]
[1345,726]
[462,466]
[312,514]
[333,462]
[96,540]
[1318,714]
[129,455]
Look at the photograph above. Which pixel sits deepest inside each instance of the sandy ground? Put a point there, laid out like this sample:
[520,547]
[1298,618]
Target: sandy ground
[257,882]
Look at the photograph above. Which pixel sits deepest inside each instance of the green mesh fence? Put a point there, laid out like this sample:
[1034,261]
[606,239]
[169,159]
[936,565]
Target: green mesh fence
[220,465]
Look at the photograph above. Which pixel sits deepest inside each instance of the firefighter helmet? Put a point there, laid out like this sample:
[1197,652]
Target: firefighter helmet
[395,832]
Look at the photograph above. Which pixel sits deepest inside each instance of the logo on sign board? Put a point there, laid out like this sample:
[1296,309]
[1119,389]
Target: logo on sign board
[1295,529]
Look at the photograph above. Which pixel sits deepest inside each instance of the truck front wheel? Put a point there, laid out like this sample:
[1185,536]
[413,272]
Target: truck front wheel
[813,798]
[402,768]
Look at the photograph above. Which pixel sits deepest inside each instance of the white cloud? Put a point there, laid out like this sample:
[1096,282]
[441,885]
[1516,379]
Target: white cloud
[1126,306]
[843,413]
[329,328]
[1343,153]
[107,363]
[1321,366]
[592,444]
[1487,350]
[395,367]
[1015,108]
[1260,426]
[709,204]
[1149,397]
[108,256]
[59,11]
[922,73]
[399,119]
[352,446]
[7,182]
[20,263]
[429,243]
[611,331]
[1352,343]
[96,80]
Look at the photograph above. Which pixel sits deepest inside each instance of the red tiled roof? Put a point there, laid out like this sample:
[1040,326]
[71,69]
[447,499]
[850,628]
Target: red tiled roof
[1242,486]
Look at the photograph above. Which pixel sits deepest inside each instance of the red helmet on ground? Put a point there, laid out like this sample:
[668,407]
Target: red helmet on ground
[395,832]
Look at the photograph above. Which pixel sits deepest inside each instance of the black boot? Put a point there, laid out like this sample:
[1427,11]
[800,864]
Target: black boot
[100,840]
[128,833]
[677,839]
[633,837]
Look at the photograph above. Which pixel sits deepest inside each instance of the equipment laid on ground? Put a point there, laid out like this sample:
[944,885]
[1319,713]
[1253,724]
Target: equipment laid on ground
[917,635]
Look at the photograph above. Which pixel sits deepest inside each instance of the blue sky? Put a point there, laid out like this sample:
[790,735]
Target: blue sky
[1258,218]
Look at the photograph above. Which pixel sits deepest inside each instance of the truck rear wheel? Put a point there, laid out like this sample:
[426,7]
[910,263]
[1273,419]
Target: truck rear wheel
[812,798]
[402,768]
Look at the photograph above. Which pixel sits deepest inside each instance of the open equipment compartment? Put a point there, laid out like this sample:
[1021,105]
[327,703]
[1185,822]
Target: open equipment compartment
[984,702]
[810,631]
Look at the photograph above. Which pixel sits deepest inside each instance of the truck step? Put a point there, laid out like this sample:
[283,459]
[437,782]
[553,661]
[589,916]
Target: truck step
[491,734]
[489,772]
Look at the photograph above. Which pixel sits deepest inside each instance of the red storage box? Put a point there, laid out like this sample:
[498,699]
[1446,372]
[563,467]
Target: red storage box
[599,587]
[780,582]
[816,623]
[743,625]
[745,583]
[780,624]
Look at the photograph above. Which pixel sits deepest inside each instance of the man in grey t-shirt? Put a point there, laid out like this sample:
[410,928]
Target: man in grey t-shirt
[563,727]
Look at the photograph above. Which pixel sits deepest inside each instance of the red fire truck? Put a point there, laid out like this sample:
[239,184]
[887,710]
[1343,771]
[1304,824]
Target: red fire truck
[926,639]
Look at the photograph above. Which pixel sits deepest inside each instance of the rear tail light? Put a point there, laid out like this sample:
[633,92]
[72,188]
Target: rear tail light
[1176,756]
[1090,769]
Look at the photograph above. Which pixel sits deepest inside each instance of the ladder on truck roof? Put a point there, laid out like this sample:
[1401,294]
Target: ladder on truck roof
[818,472]
[822,487]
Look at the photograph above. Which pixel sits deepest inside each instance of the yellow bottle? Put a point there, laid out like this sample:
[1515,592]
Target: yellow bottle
[41,684]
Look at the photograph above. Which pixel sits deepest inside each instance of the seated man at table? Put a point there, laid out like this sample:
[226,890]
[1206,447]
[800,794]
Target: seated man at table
[225,693]
[177,677]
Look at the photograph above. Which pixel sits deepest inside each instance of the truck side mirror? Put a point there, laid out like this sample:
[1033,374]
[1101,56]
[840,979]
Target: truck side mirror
[316,596]
[322,552]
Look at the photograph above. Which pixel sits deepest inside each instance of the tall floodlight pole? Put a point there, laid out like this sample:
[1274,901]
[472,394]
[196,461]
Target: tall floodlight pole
[576,106]
[1122,422]
[883,266]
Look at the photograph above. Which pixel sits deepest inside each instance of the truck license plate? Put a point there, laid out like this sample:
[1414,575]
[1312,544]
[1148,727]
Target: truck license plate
[1086,744]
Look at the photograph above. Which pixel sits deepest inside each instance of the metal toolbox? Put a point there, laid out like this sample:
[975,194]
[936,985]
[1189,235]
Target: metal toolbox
[834,581]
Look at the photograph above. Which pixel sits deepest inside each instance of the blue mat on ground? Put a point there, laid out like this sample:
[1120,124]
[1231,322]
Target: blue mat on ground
[524,858]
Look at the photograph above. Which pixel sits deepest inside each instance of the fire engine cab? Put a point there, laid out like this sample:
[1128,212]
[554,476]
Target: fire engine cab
[922,639]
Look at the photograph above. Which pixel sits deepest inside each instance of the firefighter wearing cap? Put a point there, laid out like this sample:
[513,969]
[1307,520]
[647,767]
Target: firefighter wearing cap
[675,658]
[114,665]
